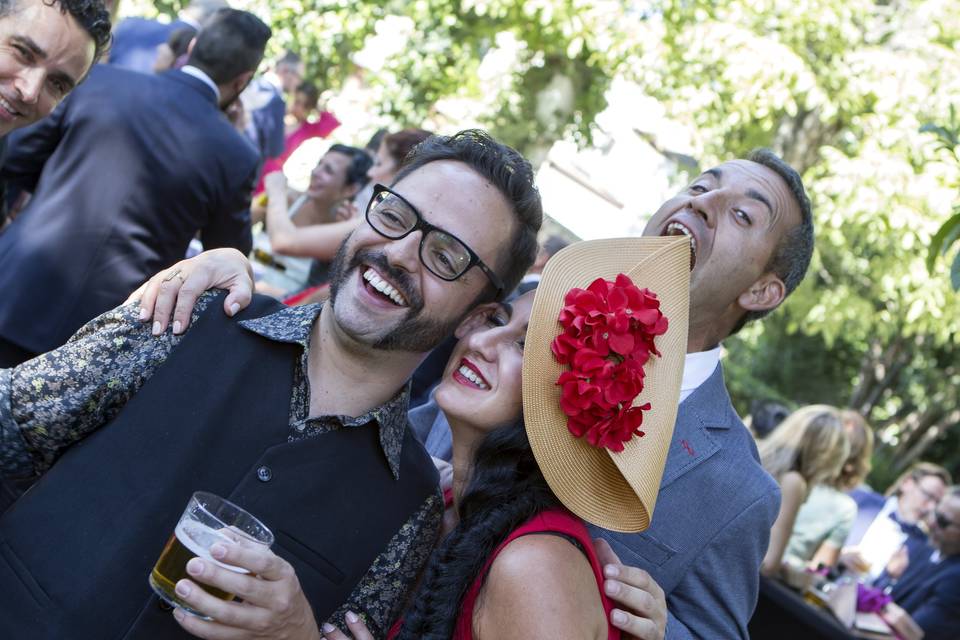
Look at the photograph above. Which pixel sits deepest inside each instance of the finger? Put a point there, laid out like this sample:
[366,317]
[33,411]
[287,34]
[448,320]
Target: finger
[187,296]
[165,300]
[257,559]
[330,632]
[633,577]
[148,297]
[236,615]
[208,629]
[357,627]
[136,295]
[244,585]
[638,627]
[640,602]
[605,553]
[239,296]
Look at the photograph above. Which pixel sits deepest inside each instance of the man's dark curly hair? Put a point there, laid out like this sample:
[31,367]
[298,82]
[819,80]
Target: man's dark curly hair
[92,15]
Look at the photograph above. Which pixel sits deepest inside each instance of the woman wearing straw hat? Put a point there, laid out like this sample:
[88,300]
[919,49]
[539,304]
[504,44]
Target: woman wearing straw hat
[599,366]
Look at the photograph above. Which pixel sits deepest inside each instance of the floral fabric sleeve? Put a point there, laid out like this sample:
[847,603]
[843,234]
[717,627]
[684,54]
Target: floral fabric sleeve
[383,592]
[60,397]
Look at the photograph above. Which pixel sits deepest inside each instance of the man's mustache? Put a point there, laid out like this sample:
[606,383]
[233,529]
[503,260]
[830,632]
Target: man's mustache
[400,279]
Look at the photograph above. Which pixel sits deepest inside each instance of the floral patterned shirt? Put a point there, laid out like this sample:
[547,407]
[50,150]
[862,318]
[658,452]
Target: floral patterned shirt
[57,399]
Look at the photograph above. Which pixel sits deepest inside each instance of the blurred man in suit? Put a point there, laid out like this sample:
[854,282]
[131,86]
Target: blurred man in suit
[265,104]
[136,40]
[124,174]
[927,591]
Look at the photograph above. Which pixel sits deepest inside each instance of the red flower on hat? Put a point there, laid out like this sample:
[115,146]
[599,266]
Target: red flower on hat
[608,335]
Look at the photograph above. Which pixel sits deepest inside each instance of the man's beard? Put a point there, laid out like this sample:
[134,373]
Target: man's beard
[414,333]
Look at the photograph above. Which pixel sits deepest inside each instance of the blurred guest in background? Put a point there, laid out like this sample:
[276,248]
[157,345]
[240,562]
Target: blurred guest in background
[765,416]
[825,519]
[136,40]
[808,449]
[550,246]
[388,155]
[927,590]
[300,127]
[886,523]
[265,103]
[172,54]
[124,173]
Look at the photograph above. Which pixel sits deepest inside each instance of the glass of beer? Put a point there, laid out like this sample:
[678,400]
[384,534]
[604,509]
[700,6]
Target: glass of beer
[208,519]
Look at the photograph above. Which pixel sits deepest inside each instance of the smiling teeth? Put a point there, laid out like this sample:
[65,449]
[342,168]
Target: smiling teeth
[471,375]
[6,105]
[679,228]
[384,287]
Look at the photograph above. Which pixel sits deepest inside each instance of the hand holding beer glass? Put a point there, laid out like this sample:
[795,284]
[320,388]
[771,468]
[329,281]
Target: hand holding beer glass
[207,520]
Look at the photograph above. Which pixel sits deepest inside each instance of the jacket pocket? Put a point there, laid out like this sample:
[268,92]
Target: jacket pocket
[643,549]
[300,553]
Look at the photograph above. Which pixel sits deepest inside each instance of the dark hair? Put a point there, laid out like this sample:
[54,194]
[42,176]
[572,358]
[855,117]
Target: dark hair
[765,416]
[309,90]
[511,174]
[360,163]
[401,143]
[179,40]
[231,43]
[506,489]
[792,255]
[373,144]
[91,15]
[289,58]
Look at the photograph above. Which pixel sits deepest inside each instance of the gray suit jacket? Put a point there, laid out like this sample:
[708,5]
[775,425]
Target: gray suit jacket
[711,524]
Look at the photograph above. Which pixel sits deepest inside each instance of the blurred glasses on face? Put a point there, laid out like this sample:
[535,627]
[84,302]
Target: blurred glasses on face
[442,253]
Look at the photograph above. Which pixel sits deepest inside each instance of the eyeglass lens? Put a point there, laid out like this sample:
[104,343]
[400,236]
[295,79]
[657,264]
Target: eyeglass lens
[443,254]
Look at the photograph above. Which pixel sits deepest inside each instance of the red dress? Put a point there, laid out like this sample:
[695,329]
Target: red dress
[553,521]
[321,128]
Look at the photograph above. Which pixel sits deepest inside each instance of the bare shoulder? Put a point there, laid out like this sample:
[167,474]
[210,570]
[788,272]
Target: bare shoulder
[540,586]
[793,485]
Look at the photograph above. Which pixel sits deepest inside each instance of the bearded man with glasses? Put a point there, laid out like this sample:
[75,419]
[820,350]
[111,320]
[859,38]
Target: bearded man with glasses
[927,592]
[297,414]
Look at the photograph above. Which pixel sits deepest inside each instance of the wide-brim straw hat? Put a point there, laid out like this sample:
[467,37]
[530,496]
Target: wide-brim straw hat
[615,491]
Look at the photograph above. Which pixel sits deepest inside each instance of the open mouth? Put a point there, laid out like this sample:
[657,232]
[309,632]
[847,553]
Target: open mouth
[680,229]
[380,287]
[469,375]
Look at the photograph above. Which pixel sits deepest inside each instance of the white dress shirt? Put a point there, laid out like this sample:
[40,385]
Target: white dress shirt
[697,367]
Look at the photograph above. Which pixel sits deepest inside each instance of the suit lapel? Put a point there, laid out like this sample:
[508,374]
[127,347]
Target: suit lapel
[692,443]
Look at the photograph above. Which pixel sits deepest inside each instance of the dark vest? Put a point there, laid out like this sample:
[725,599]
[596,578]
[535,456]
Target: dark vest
[76,550]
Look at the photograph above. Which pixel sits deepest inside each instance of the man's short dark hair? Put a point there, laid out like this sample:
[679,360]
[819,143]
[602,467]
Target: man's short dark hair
[510,172]
[791,257]
[310,92]
[91,15]
[360,163]
[230,44]
[289,59]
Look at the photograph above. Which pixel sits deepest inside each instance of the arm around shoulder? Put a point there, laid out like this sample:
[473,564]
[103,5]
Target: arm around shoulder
[540,586]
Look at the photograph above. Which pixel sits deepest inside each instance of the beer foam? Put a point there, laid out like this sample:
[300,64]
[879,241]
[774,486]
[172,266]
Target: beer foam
[198,538]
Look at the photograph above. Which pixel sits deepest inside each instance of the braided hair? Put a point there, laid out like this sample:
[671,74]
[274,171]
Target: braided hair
[506,489]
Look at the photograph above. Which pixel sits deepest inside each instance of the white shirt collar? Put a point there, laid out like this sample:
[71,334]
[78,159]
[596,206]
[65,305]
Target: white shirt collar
[697,367]
[191,70]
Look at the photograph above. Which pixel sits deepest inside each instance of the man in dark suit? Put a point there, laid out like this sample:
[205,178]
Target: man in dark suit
[135,40]
[928,590]
[124,174]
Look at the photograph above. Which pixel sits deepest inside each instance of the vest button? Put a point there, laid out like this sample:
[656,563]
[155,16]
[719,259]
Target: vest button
[264,474]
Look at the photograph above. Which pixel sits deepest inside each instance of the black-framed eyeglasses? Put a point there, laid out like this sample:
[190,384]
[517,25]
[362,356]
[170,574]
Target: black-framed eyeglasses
[943,521]
[442,253]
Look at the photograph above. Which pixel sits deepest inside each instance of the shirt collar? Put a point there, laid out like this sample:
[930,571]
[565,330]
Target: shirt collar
[191,70]
[697,367]
[293,325]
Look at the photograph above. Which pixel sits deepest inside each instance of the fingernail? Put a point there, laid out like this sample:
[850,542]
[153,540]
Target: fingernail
[612,587]
[328,628]
[352,617]
[218,551]
[178,614]
[156,328]
[177,326]
[143,313]
[195,567]
[183,588]
[611,571]
[618,617]
[234,308]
